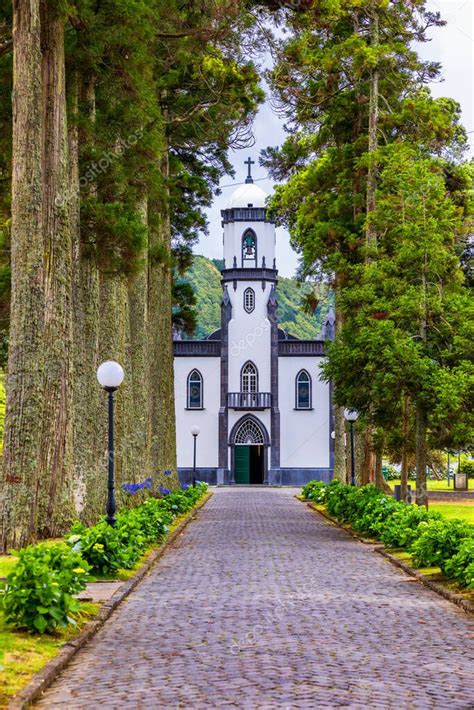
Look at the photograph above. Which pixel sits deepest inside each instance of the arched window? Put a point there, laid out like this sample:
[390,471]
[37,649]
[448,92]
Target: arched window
[194,394]
[303,390]
[249,433]
[249,300]
[249,248]
[249,378]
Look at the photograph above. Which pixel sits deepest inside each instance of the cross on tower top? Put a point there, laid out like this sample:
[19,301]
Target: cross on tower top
[249,162]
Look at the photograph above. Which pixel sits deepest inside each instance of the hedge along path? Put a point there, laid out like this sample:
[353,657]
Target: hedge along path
[264,604]
[42,680]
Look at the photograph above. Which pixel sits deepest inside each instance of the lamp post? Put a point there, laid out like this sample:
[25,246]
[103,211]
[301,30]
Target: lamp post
[195,432]
[110,376]
[350,415]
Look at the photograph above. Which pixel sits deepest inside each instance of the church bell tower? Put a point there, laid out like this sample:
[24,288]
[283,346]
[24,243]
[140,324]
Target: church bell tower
[249,414]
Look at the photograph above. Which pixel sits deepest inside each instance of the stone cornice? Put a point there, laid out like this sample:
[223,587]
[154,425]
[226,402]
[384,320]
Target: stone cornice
[197,348]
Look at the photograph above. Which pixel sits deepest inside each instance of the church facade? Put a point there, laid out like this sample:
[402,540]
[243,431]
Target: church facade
[253,392]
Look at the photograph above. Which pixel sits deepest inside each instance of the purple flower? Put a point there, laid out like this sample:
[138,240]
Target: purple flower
[133,488]
[164,491]
[185,486]
[167,472]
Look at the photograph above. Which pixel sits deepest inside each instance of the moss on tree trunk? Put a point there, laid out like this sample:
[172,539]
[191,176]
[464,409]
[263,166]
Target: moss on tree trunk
[19,484]
[138,444]
[162,424]
[55,462]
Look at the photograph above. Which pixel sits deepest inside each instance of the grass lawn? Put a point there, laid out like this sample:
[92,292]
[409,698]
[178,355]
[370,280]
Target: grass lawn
[23,654]
[463,509]
[433,485]
[7,562]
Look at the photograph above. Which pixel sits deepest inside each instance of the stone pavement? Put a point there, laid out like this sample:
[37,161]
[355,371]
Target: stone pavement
[262,604]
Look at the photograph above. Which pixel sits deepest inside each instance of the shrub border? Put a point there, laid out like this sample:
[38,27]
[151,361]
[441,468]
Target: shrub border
[47,675]
[465,604]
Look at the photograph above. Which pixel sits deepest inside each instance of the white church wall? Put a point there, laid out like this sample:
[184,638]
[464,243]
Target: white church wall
[207,419]
[304,434]
[249,335]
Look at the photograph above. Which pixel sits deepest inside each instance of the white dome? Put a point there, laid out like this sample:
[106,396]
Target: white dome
[247,195]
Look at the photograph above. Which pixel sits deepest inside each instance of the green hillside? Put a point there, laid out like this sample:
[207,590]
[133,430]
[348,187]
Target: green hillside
[204,277]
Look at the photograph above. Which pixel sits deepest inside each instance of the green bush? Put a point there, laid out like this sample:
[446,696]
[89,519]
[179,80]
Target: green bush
[376,511]
[401,528]
[467,467]
[461,566]
[438,541]
[315,490]
[38,592]
[152,519]
[108,549]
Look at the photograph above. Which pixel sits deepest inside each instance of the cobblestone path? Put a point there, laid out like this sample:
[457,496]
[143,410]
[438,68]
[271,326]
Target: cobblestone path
[262,604]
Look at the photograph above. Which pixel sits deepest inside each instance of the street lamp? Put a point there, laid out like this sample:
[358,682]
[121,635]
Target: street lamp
[110,376]
[350,415]
[195,432]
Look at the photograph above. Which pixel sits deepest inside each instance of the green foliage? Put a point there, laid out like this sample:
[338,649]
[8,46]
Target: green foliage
[38,592]
[314,490]
[404,312]
[461,566]
[105,548]
[119,233]
[401,530]
[108,549]
[205,280]
[468,468]
[438,541]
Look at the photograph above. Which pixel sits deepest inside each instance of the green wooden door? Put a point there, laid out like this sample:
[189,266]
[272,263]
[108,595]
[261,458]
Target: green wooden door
[242,464]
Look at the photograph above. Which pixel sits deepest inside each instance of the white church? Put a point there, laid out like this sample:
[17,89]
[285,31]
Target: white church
[252,392]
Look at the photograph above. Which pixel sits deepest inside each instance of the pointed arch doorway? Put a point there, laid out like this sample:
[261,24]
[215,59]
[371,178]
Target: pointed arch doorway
[249,443]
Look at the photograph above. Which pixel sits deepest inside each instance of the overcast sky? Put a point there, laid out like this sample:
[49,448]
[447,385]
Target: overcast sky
[452,45]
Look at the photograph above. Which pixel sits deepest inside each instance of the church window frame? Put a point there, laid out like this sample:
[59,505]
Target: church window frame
[249,248]
[303,390]
[249,300]
[195,390]
[249,378]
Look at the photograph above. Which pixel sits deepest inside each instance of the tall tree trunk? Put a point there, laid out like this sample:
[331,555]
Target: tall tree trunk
[368,470]
[113,334]
[160,342]
[55,464]
[371,234]
[339,422]
[404,462]
[87,451]
[367,474]
[421,460]
[359,446]
[138,315]
[19,480]
[379,480]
